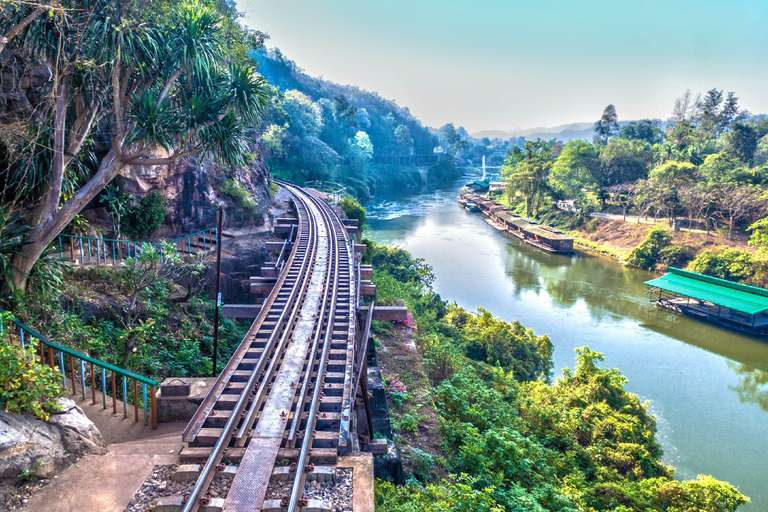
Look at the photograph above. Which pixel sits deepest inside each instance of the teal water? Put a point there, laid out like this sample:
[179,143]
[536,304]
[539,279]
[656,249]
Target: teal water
[708,387]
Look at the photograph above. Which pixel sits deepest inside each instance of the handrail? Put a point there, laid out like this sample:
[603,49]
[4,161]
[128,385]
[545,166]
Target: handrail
[105,246]
[125,374]
[78,355]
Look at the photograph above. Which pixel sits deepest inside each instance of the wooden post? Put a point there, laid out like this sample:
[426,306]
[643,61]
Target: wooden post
[153,401]
[114,394]
[218,294]
[50,356]
[42,353]
[366,403]
[72,369]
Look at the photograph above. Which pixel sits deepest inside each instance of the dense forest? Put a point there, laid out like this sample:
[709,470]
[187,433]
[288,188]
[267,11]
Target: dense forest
[316,130]
[705,169]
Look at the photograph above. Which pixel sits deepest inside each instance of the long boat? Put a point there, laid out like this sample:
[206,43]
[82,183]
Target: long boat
[538,235]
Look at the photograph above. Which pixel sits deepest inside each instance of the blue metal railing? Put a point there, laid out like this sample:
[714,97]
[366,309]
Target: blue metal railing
[86,249]
[16,333]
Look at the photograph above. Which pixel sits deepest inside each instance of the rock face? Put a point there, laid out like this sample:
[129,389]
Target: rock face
[44,448]
[240,259]
[22,86]
[194,189]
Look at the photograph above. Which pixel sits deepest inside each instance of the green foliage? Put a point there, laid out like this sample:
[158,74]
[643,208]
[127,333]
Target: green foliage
[237,193]
[575,169]
[46,277]
[516,442]
[25,385]
[13,234]
[496,342]
[141,221]
[408,423]
[731,264]
[353,210]
[646,254]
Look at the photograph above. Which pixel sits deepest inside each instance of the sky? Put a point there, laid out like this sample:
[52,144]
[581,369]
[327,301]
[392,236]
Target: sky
[494,64]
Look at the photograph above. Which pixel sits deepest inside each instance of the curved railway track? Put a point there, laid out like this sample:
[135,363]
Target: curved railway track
[286,395]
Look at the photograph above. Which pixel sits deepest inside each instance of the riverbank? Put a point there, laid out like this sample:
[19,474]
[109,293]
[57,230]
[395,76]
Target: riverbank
[616,238]
[474,397]
[703,383]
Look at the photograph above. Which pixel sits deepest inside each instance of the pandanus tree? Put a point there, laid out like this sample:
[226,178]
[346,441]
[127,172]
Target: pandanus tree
[126,92]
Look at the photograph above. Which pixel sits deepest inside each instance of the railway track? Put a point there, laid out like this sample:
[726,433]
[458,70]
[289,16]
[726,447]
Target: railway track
[286,398]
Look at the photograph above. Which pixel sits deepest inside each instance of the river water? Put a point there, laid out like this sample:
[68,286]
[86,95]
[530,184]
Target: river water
[708,387]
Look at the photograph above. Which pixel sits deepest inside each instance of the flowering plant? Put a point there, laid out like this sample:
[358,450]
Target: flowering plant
[395,389]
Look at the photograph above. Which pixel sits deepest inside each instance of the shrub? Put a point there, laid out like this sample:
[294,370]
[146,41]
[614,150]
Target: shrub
[395,389]
[646,254]
[730,264]
[675,256]
[143,220]
[354,210]
[409,423]
[25,385]
[237,193]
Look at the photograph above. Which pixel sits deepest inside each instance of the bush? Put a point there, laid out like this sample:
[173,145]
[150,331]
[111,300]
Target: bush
[676,256]
[25,385]
[143,220]
[237,193]
[354,210]
[646,254]
[731,264]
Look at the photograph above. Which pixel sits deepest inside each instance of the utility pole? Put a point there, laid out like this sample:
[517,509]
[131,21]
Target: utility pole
[218,292]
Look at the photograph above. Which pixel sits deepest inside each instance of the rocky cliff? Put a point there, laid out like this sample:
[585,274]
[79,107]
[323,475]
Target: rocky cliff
[196,187]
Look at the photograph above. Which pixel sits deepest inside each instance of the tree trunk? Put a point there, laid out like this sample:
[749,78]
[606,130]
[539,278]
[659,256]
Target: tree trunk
[53,223]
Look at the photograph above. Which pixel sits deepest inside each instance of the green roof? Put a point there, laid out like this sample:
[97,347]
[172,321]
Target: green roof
[747,299]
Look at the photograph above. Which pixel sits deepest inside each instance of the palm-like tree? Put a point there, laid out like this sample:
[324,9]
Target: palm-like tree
[131,93]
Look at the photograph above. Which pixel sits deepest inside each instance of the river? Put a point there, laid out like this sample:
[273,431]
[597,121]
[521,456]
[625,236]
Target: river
[708,387]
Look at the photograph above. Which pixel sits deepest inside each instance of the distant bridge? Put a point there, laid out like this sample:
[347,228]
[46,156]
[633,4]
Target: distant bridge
[410,160]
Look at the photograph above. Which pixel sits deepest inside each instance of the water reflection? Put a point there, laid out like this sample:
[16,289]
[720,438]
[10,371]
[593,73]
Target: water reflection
[754,384]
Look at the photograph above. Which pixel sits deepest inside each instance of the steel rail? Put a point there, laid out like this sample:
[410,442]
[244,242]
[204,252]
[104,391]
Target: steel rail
[331,270]
[298,482]
[192,503]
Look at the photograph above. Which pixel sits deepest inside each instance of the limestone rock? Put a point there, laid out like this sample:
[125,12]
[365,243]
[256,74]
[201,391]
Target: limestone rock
[43,448]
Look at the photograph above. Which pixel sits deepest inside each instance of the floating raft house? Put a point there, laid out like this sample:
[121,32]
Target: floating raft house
[543,237]
[733,305]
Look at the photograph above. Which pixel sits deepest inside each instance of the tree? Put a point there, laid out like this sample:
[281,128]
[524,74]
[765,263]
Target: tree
[737,202]
[19,14]
[648,130]
[695,199]
[623,161]
[720,168]
[607,126]
[305,117]
[152,93]
[715,113]
[451,140]
[574,172]
[273,142]
[403,138]
[624,194]
[530,176]
[742,140]
[150,266]
[360,148]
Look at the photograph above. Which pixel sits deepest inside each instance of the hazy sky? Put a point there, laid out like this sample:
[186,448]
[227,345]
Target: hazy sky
[493,64]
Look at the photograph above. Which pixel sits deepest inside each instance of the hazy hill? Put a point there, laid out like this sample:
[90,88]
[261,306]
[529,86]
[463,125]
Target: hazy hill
[564,132]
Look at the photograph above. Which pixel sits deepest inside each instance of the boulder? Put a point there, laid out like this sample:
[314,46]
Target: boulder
[44,448]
